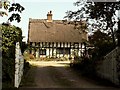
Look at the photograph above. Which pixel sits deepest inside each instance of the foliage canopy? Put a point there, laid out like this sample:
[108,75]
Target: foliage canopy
[103,15]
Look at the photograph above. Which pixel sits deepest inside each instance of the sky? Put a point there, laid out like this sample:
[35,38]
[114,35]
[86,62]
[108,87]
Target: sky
[38,9]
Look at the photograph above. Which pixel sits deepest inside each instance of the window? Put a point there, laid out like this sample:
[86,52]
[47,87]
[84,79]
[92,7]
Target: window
[67,51]
[60,50]
[63,51]
[42,51]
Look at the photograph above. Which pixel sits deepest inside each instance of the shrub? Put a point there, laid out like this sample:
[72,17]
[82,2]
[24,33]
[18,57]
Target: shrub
[31,56]
[10,35]
[86,66]
[26,67]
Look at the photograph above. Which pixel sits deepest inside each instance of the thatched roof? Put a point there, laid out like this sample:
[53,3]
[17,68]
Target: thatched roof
[56,31]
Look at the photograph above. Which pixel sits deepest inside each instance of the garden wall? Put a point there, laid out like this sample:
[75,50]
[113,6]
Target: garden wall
[110,66]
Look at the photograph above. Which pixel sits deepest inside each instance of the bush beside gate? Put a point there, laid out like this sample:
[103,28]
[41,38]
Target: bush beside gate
[10,35]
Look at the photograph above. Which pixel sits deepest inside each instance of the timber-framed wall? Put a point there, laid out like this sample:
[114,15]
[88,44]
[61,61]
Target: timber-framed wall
[56,49]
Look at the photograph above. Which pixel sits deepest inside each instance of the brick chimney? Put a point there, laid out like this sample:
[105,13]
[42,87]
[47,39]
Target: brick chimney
[49,16]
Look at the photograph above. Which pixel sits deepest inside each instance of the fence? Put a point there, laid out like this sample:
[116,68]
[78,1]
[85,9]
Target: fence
[19,63]
[110,67]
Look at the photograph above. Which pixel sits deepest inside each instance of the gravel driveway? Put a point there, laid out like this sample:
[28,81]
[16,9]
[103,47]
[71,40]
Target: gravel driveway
[57,74]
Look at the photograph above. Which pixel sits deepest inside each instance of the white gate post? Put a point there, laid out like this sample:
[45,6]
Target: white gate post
[19,64]
[16,64]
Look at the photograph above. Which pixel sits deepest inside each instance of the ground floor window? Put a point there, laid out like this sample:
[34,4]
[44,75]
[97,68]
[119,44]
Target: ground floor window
[67,51]
[42,51]
[63,51]
[60,50]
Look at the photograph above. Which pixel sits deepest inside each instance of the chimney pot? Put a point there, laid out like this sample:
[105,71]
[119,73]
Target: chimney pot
[50,12]
[49,16]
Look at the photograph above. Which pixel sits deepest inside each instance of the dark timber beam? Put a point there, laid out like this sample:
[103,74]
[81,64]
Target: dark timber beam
[63,49]
[49,49]
[52,48]
[56,48]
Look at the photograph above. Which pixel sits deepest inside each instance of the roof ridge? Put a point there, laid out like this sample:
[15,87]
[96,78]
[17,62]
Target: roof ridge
[65,22]
[36,20]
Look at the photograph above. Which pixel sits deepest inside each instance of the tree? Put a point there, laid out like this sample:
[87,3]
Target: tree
[5,5]
[16,8]
[106,12]
[103,13]
[98,38]
[102,43]
[118,33]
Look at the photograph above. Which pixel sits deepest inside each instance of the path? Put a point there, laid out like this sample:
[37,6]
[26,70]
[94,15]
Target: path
[51,74]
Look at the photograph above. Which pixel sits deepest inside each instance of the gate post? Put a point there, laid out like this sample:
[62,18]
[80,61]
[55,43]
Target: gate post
[19,64]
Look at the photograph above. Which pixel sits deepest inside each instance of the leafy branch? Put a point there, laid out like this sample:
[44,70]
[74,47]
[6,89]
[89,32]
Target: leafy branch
[16,8]
[98,15]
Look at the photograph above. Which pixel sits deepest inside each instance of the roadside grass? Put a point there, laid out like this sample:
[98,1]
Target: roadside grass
[29,78]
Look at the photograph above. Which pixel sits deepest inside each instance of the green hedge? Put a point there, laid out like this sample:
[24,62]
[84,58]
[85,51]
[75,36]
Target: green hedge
[10,35]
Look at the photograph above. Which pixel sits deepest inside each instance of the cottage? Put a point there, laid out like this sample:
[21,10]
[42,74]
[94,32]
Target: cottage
[55,38]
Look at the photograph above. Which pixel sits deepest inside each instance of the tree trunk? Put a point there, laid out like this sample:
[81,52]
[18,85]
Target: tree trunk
[113,37]
[118,33]
[85,48]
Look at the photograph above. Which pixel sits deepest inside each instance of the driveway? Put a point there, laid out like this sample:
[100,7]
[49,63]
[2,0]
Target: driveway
[58,74]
